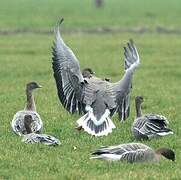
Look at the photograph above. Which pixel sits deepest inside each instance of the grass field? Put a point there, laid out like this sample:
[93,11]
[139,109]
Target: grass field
[41,14]
[27,57]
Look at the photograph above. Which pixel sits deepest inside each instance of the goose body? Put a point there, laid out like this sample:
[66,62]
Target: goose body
[94,97]
[32,137]
[132,153]
[149,126]
[40,138]
[18,122]
[18,125]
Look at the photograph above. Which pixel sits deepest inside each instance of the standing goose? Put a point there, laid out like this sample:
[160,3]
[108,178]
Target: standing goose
[150,125]
[31,137]
[88,73]
[97,98]
[18,122]
[132,153]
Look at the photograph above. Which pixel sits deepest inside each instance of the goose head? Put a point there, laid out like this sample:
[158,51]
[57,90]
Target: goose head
[32,85]
[167,153]
[87,73]
[139,99]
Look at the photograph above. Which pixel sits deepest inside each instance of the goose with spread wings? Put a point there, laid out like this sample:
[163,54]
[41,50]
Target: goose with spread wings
[96,98]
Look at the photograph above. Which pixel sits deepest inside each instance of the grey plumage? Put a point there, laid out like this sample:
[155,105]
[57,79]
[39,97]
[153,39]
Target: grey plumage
[17,123]
[149,126]
[40,138]
[32,137]
[132,153]
[97,98]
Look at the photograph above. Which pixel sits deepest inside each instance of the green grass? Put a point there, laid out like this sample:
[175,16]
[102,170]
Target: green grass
[28,57]
[42,14]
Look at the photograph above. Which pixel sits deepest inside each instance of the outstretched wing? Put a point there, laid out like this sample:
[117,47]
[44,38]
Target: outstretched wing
[122,88]
[67,74]
[131,56]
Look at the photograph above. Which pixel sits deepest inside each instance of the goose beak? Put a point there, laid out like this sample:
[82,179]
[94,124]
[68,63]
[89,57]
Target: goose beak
[39,86]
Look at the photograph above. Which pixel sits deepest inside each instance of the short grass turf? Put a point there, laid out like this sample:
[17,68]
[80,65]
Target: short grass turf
[42,14]
[27,57]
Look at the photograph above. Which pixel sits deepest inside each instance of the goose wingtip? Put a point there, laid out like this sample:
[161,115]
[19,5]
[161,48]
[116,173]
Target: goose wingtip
[61,21]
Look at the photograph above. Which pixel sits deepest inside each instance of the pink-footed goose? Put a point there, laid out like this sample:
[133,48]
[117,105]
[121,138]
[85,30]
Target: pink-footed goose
[32,137]
[18,121]
[96,98]
[148,126]
[132,153]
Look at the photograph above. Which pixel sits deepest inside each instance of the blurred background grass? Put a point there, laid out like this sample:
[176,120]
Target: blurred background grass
[41,14]
[97,36]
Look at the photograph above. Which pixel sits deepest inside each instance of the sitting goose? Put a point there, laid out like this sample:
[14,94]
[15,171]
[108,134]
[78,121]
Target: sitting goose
[17,123]
[97,98]
[132,153]
[150,125]
[31,137]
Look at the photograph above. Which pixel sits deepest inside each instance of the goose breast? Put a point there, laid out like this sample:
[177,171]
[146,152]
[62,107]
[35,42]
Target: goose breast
[17,123]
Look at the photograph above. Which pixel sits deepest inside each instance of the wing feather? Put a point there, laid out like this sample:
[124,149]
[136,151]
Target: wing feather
[122,88]
[67,74]
[40,138]
[150,126]
[131,152]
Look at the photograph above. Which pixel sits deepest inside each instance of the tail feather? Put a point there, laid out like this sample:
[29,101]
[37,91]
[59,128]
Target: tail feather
[107,156]
[165,132]
[93,157]
[96,128]
[96,157]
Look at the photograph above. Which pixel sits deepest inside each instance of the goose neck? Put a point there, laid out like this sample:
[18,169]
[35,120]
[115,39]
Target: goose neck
[27,127]
[30,104]
[138,109]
